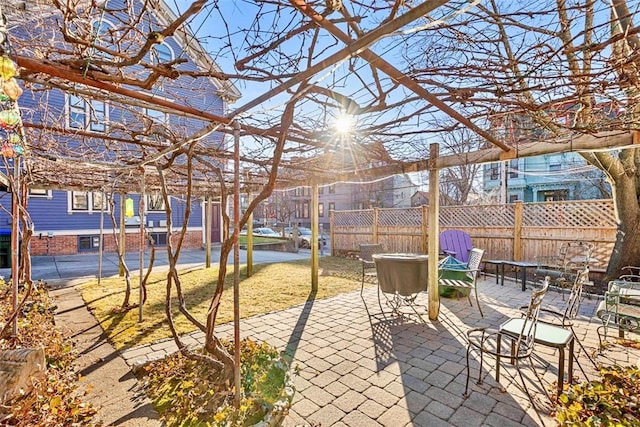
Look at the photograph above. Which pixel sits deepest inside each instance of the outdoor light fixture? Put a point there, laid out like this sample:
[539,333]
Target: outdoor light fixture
[129,208]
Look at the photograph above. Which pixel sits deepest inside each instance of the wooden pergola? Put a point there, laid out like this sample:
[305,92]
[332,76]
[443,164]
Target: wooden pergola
[286,124]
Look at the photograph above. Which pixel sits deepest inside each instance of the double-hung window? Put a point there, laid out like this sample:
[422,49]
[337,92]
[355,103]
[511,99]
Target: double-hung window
[86,201]
[83,114]
[155,202]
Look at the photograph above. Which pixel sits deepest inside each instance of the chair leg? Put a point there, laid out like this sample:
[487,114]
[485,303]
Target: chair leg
[600,339]
[380,302]
[498,349]
[475,291]
[362,286]
[466,385]
[584,350]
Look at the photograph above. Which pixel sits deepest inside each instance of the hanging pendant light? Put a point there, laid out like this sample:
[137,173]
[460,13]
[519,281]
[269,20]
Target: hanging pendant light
[11,89]
[7,150]
[9,119]
[7,68]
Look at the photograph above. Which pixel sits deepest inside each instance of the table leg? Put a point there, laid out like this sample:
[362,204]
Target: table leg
[524,278]
[502,274]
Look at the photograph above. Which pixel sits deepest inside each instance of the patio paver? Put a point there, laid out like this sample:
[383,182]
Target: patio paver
[360,367]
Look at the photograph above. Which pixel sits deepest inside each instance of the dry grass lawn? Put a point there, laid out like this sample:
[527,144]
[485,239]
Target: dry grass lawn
[272,287]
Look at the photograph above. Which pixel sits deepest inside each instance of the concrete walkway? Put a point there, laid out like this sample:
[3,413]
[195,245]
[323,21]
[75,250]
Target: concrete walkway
[358,366]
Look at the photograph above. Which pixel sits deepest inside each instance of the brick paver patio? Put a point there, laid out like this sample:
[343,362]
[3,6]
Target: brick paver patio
[360,367]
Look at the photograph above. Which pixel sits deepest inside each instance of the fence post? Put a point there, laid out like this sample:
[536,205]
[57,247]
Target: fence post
[424,231]
[375,225]
[517,231]
[331,228]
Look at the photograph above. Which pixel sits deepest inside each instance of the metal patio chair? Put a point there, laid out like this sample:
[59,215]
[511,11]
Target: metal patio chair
[366,259]
[565,318]
[489,341]
[555,329]
[469,272]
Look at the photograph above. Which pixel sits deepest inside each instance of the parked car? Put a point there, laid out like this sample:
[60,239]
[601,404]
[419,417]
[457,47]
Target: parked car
[265,232]
[304,238]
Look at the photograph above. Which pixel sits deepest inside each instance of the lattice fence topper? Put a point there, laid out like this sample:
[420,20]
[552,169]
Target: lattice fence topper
[569,214]
[477,216]
[587,213]
[353,218]
[407,217]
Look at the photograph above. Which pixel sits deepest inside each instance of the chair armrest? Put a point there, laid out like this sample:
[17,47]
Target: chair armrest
[631,270]
[550,317]
[367,263]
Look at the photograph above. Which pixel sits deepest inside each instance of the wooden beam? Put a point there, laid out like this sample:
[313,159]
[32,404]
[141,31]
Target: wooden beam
[73,75]
[588,142]
[349,51]
[378,62]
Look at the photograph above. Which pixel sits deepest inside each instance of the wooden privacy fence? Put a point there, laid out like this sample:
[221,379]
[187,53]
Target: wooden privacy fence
[519,231]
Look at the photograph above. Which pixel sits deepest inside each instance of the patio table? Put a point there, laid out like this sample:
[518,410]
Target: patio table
[405,274]
[522,265]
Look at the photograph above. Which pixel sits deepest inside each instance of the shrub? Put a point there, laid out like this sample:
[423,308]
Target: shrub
[52,401]
[186,392]
[611,400]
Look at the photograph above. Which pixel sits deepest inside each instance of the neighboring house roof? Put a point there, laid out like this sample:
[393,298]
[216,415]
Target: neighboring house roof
[19,11]
[424,194]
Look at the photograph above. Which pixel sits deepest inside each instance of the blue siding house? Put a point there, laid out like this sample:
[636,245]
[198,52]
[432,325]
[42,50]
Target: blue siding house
[67,217]
[565,176]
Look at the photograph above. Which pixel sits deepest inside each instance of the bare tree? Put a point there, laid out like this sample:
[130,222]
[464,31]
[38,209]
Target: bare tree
[562,69]
[284,207]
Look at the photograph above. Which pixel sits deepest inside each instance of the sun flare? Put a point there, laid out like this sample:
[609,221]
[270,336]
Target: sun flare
[344,123]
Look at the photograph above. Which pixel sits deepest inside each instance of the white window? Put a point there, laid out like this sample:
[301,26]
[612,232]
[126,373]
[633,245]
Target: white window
[83,115]
[161,54]
[103,34]
[158,117]
[39,192]
[86,201]
[155,202]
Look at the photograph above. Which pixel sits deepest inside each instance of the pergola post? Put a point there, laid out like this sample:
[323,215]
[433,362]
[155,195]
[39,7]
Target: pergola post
[123,234]
[434,226]
[249,239]
[141,208]
[15,243]
[208,207]
[236,261]
[314,236]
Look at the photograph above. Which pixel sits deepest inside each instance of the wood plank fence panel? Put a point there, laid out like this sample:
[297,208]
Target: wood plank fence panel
[545,227]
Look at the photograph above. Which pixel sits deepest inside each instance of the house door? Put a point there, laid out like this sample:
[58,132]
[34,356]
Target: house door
[215,223]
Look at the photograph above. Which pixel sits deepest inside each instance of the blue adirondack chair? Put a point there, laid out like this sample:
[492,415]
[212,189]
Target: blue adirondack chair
[456,243]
